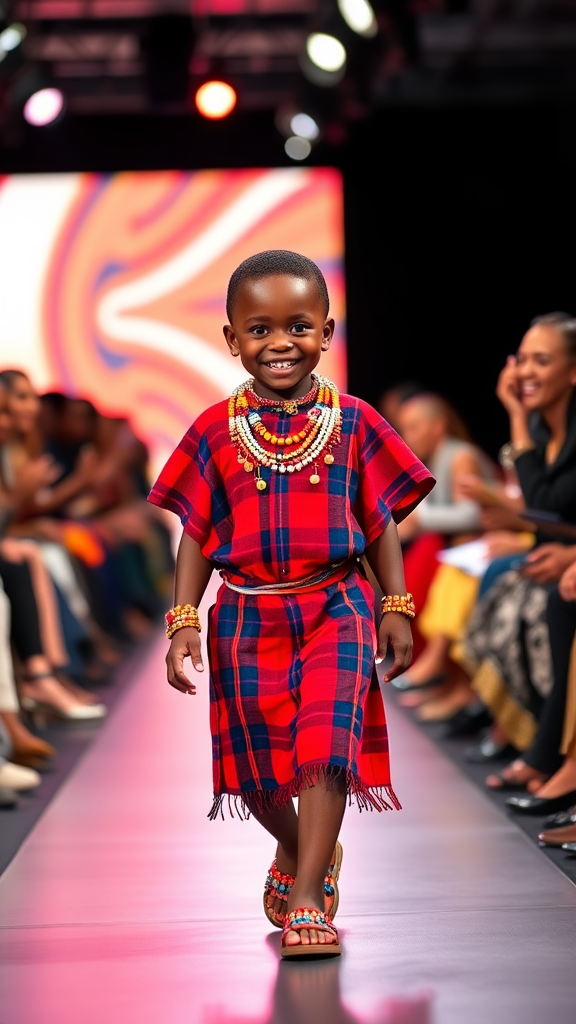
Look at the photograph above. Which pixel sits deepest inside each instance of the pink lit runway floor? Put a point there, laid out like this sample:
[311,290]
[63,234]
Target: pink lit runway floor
[125,905]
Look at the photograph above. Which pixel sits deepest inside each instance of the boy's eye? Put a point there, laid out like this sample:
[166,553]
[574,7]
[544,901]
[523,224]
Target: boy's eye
[300,328]
[259,330]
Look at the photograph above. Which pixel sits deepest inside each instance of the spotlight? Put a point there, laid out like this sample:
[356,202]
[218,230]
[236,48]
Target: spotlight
[325,51]
[305,127]
[10,38]
[215,100]
[359,17]
[297,148]
[43,106]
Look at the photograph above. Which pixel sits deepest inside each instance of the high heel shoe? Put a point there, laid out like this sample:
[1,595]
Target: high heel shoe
[28,750]
[489,750]
[466,722]
[532,804]
[76,713]
[53,700]
[404,683]
[561,819]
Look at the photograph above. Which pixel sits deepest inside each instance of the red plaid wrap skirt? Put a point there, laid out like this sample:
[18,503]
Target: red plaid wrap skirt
[294,697]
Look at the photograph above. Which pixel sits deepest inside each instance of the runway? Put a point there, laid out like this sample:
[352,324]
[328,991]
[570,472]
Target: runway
[125,905]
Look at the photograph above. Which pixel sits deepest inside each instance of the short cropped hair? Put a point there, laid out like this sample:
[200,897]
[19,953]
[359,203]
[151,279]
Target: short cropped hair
[276,262]
[565,323]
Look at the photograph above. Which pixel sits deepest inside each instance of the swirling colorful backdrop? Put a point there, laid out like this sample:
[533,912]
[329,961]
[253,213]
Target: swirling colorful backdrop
[112,287]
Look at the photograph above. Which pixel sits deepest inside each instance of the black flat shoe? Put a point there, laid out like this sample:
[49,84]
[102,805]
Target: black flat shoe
[530,804]
[466,722]
[488,750]
[561,820]
[404,684]
[569,847]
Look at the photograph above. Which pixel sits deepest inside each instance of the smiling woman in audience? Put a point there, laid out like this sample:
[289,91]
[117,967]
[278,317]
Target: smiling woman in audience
[507,642]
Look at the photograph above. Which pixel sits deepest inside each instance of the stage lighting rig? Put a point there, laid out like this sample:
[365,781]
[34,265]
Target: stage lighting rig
[167,47]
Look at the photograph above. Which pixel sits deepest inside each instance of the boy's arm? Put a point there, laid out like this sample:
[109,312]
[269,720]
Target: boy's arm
[384,556]
[193,572]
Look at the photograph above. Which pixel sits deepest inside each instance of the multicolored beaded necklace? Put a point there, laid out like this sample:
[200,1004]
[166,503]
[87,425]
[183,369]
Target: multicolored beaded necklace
[290,453]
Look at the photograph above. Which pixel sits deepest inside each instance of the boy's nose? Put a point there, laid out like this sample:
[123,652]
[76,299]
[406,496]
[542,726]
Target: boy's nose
[283,344]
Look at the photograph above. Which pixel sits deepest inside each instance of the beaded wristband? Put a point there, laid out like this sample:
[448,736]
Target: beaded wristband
[399,603]
[179,617]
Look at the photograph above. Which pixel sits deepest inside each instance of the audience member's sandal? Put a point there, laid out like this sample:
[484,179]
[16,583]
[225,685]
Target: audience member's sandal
[517,775]
[305,918]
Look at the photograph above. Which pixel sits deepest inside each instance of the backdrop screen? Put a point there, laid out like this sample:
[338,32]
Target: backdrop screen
[112,287]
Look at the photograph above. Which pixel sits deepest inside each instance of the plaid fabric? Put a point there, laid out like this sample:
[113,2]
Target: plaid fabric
[294,696]
[294,528]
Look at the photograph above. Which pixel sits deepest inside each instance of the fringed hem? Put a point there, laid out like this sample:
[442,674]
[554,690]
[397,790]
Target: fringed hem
[263,801]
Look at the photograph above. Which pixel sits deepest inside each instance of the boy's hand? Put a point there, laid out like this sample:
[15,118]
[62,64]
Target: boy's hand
[395,631]
[185,643]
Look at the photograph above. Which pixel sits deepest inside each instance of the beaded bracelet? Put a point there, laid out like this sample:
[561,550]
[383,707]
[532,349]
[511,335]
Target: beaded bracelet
[179,617]
[399,603]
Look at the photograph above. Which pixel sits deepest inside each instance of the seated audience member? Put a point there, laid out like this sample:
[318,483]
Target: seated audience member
[392,398]
[95,510]
[552,752]
[558,790]
[447,517]
[507,641]
[35,623]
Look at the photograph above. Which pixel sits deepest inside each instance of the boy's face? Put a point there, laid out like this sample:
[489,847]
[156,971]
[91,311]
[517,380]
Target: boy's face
[279,330]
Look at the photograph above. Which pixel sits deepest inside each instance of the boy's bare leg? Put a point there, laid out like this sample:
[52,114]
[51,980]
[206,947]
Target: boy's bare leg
[283,825]
[320,814]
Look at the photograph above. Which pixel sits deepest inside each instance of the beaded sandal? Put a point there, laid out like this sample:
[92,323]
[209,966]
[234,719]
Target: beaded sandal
[331,894]
[305,917]
[278,886]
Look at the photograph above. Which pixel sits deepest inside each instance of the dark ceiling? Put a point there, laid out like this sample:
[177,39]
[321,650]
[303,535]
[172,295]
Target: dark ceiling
[118,57]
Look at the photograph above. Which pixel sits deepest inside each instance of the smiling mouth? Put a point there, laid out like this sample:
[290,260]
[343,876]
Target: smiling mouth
[282,364]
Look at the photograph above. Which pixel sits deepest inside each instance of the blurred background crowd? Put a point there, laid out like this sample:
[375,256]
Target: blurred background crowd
[85,567]
[490,557]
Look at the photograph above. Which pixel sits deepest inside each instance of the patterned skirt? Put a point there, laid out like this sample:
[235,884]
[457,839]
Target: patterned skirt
[294,697]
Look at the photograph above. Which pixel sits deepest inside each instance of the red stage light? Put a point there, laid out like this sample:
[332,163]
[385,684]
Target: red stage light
[215,100]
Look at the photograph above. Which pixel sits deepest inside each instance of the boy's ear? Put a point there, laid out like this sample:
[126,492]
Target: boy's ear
[231,340]
[327,334]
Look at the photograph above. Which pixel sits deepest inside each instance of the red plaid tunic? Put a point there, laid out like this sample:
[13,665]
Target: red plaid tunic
[294,694]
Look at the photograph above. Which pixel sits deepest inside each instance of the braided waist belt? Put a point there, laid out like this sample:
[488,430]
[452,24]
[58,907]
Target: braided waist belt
[338,569]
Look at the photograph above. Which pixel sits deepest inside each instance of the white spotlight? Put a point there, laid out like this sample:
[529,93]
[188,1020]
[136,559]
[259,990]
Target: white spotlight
[11,37]
[325,51]
[305,126]
[43,106]
[297,148]
[359,16]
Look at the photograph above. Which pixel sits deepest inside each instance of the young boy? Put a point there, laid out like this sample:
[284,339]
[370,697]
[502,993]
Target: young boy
[282,489]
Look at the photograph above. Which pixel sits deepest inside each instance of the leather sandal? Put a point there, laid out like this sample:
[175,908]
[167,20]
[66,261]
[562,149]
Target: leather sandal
[306,917]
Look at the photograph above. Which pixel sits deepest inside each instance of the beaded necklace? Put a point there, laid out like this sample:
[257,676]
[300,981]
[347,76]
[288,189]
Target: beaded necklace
[290,453]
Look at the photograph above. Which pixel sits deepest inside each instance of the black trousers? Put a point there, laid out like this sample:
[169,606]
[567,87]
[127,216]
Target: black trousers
[544,754]
[24,619]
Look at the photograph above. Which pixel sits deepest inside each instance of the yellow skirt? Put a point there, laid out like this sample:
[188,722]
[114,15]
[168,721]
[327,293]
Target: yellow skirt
[449,605]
